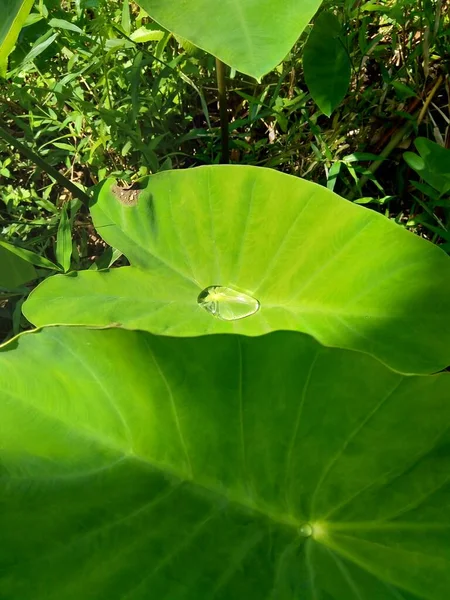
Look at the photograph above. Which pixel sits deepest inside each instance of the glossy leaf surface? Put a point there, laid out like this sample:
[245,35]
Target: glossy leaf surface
[219,467]
[252,36]
[314,262]
[326,63]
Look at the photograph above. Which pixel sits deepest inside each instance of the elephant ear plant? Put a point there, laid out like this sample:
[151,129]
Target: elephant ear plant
[227,459]
[210,245]
[251,36]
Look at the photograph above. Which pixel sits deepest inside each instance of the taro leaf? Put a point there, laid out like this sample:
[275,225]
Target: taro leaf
[315,262]
[433,164]
[14,271]
[252,36]
[326,63]
[139,466]
[14,14]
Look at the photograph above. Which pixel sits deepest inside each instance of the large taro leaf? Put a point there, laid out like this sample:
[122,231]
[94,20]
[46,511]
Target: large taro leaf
[252,36]
[136,466]
[315,262]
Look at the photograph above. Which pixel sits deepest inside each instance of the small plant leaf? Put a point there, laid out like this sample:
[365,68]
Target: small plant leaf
[314,261]
[252,36]
[147,34]
[14,270]
[64,240]
[31,257]
[139,466]
[126,23]
[63,24]
[326,63]
[433,164]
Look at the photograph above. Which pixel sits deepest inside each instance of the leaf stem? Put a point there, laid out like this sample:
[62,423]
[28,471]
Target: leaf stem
[223,108]
[44,165]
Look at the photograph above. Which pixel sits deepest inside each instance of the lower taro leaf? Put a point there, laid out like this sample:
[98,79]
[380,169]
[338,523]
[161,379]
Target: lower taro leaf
[292,254]
[218,467]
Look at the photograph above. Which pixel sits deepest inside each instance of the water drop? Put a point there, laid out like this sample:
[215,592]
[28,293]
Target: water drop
[226,303]
[305,530]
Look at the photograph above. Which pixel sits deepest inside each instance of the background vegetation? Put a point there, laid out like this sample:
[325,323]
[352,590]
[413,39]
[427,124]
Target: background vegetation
[98,89]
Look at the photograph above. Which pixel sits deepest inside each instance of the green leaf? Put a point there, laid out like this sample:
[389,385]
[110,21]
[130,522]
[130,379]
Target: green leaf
[126,24]
[14,271]
[30,257]
[40,46]
[252,36]
[64,240]
[66,25]
[147,34]
[315,262]
[433,164]
[219,467]
[326,63]
[14,14]
[403,90]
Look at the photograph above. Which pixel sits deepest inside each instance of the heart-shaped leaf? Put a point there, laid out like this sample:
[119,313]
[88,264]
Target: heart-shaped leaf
[252,36]
[326,63]
[14,270]
[218,467]
[313,261]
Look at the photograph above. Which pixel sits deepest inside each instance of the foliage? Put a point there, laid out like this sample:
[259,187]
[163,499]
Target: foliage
[432,164]
[101,103]
[251,36]
[266,467]
[170,463]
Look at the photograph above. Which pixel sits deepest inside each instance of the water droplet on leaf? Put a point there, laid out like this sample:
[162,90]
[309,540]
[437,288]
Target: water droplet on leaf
[305,530]
[226,303]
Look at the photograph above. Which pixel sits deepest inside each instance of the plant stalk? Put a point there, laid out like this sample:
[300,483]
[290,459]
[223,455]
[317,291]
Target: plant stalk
[42,164]
[223,109]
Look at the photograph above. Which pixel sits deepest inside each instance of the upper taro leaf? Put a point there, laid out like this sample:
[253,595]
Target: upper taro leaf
[252,36]
[138,466]
[292,254]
